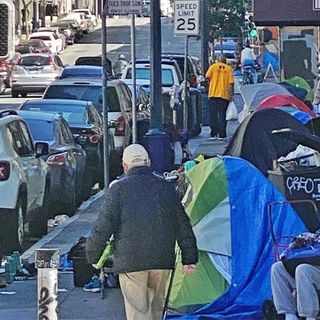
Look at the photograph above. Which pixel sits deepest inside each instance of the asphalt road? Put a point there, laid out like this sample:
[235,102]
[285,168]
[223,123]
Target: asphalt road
[118,41]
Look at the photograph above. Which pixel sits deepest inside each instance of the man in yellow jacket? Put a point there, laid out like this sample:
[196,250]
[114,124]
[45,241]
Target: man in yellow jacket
[221,89]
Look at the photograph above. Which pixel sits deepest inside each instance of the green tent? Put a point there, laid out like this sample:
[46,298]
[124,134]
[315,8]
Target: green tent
[303,84]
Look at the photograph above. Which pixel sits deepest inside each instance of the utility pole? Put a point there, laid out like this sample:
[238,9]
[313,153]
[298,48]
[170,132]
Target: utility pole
[156,140]
[204,35]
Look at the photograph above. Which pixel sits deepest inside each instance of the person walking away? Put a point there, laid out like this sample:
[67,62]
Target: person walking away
[144,214]
[221,90]
[119,66]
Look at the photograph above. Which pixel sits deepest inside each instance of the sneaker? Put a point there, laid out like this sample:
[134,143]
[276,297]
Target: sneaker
[94,285]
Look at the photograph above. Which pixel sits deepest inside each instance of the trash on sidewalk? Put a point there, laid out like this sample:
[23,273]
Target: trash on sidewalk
[62,290]
[58,220]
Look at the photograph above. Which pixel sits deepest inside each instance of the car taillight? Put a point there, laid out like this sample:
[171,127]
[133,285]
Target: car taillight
[120,127]
[52,65]
[193,80]
[4,66]
[4,171]
[58,159]
[93,138]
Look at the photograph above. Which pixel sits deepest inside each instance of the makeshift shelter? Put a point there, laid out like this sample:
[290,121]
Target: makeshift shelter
[254,94]
[284,100]
[299,82]
[227,202]
[254,141]
[301,116]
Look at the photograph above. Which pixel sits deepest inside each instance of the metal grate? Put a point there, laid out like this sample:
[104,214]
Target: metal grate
[4,25]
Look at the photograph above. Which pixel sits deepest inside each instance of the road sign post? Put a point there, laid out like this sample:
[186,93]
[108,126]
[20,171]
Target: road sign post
[47,263]
[131,7]
[186,22]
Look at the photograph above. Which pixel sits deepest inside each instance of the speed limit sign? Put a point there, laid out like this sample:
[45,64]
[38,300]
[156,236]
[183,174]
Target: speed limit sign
[186,17]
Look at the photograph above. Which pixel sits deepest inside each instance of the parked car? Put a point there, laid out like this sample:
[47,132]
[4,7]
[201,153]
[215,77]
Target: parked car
[80,18]
[69,30]
[23,49]
[59,33]
[24,182]
[82,72]
[34,72]
[191,67]
[86,125]
[76,27]
[66,160]
[6,69]
[89,15]
[37,45]
[94,61]
[50,39]
[118,101]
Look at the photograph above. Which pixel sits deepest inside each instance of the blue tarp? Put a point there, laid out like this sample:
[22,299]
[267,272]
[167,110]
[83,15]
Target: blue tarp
[268,57]
[250,193]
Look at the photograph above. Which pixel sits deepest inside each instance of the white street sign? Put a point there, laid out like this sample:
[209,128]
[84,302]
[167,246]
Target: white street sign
[186,17]
[119,7]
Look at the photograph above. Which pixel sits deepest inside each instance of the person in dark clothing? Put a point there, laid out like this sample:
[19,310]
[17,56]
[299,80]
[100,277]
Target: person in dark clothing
[146,217]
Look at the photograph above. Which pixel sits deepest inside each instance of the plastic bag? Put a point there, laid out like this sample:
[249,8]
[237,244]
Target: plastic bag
[232,112]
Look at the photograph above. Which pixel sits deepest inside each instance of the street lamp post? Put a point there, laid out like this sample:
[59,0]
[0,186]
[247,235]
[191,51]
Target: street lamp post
[156,140]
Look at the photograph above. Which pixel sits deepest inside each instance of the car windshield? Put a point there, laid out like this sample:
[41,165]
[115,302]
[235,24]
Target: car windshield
[144,74]
[86,93]
[34,61]
[41,130]
[226,46]
[73,114]
[44,38]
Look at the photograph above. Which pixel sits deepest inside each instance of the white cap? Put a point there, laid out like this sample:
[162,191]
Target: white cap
[135,155]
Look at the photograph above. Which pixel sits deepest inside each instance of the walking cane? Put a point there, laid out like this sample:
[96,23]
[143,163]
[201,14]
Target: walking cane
[166,302]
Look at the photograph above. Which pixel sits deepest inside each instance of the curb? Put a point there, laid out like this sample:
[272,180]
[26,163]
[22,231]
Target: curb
[28,255]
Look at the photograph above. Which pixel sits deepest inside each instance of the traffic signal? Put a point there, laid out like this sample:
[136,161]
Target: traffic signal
[7,14]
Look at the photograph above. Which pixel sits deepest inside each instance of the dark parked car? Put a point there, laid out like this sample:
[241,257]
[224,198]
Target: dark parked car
[73,25]
[69,30]
[38,46]
[66,160]
[191,67]
[87,128]
[94,61]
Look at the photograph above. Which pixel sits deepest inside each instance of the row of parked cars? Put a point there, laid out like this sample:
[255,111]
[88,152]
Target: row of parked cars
[51,149]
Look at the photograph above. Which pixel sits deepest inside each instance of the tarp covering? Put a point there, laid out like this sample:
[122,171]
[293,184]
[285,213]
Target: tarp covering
[299,82]
[254,141]
[302,116]
[270,58]
[249,195]
[284,100]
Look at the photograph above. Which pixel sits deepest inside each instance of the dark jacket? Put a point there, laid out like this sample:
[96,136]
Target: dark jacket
[146,217]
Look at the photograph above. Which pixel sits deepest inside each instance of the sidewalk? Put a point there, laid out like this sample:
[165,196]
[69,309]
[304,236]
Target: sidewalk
[74,303]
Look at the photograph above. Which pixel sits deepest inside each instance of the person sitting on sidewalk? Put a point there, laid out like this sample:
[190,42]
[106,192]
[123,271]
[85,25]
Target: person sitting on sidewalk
[292,295]
[146,218]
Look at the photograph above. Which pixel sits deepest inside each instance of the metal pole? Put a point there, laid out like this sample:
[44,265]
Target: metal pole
[155,66]
[47,263]
[185,87]
[104,99]
[133,59]
[204,36]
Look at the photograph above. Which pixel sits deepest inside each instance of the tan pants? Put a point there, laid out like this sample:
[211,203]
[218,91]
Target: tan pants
[144,293]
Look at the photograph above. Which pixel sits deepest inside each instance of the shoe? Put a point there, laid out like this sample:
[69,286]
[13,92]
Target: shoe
[94,285]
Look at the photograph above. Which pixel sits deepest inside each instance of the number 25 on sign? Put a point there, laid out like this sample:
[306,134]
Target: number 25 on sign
[186,17]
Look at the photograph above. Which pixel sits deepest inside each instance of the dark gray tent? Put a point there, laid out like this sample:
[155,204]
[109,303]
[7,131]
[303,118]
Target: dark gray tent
[255,142]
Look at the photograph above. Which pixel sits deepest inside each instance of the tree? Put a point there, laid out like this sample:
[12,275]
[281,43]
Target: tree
[227,15]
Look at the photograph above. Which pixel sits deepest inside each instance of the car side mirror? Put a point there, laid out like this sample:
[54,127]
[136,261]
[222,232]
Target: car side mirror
[41,149]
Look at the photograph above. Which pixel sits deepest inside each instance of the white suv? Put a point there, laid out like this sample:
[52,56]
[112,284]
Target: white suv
[23,180]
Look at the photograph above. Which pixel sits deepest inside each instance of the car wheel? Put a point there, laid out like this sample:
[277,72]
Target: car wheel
[14,93]
[24,94]
[39,225]
[12,232]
